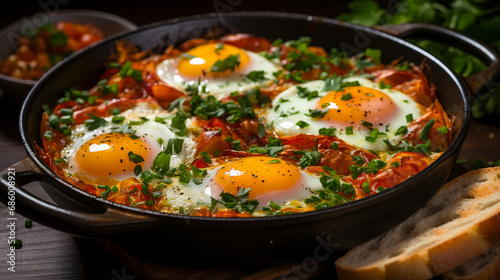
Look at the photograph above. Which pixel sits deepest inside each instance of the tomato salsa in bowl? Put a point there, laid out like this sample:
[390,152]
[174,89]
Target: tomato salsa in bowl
[32,45]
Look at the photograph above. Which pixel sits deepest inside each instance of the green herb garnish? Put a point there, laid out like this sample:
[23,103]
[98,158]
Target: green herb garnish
[94,122]
[231,62]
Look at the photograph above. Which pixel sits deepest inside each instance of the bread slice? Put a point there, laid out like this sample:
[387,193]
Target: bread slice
[483,267]
[460,222]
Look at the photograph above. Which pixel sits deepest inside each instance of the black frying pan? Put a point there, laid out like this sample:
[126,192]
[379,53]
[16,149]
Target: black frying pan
[257,239]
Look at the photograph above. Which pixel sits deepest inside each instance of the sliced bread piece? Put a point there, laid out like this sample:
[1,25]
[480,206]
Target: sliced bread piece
[483,267]
[460,222]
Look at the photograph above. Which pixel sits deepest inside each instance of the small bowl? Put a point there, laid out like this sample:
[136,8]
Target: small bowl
[16,88]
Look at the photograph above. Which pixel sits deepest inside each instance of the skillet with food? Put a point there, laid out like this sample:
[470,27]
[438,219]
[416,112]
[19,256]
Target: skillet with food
[259,239]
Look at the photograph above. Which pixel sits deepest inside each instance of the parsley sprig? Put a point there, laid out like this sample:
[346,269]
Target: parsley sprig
[272,148]
[405,146]
[230,62]
[238,202]
[337,83]
[329,196]
[209,107]
[309,158]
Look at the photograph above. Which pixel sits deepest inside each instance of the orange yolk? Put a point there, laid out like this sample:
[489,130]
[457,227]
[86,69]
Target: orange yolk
[206,56]
[364,103]
[107,155]
[264,178]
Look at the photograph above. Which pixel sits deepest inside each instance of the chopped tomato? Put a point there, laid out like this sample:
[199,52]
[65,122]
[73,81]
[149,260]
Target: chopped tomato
[50,45]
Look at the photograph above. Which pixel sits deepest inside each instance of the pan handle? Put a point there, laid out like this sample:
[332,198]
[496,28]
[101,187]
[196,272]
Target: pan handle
[110,220]
[447,36]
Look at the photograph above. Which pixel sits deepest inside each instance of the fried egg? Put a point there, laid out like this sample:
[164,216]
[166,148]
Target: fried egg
[269,179]
[197,65]
[355,112]
[101,156]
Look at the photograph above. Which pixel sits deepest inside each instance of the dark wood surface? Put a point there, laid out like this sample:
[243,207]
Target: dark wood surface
[49,254]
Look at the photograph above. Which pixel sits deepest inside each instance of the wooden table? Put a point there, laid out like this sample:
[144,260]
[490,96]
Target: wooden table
[49,254]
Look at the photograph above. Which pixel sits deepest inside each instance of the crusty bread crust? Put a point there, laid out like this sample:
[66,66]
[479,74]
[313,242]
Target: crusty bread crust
[483,267]
[460,222]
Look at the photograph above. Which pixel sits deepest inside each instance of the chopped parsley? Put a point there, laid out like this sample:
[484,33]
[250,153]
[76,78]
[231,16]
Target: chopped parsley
[382,85]
[115,111]
[303,92]
[372,167]
[274,205]
[206,157]
[336,83]
[272,148]
[373,136]
[48,135]
[347,96]
[327,131]
[349,130]
[230,62]
[161,163]
[366,124]
[256,76]
[58,39]
[442,130]
[403,66]
[209,107]
[424,134]
[317,114]
[405,146]
[60,161]
[402,130]
[135,158]
[175,144]
[366,187]
[160,120]
[362,61]
[94,122]
[117,119]
[219,47]
[128,71]
[188,56]
[235,144]
[358,160]
[302,124]
[105,89]
[374,54]
[261,130]
[238,202]
[105,194]
[309,158]
[28,224]
[332,185]
[17,244]
[137,170]
[179,123]
[125,129]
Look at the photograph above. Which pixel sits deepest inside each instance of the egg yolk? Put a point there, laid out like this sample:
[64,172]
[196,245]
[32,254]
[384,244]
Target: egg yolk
[107,155]
[263,175]
[205,56]
[355,104]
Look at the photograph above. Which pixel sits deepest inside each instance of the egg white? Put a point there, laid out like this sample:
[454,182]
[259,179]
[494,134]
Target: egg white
[284,116]
[220,86]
